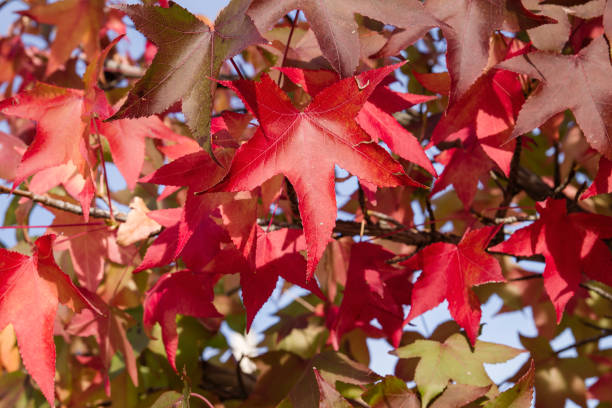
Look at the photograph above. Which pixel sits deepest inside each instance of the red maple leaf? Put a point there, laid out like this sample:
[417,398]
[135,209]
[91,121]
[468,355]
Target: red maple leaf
[571,244]
[305,145]
[467,26]
[602,183]
[374,290]
[190,233]
[576,82]
[375,115]
[90,246]
[185,292]
[333,23]
[276,254]
[65,119]
[449,272]
[77,23]
[32,288]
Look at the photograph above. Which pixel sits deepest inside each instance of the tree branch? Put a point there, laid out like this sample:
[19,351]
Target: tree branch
[63,205]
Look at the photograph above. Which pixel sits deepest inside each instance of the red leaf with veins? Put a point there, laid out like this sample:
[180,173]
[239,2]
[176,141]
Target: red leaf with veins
[571,244]
[261,257]
[305,145]
[185,292]
[375,116]
[333,23]
[276,254]
[31,289]
[374,290]
[464,168]
[90,247]
[602,183]
[577,82]
[64,121]
[449,272]
[481,120]
[194,236]
[467,26]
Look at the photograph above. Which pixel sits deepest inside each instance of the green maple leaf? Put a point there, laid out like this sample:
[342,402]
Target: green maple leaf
[453,360]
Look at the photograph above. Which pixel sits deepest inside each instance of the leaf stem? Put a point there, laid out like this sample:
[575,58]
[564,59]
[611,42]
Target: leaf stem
[280,77]
[103,163]
[202,398]
[58,204]
[237,68]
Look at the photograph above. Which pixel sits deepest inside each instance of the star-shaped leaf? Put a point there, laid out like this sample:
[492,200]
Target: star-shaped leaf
[32,287]
[571,244]
[449,272]
[334,25]
[375,116]
[65,119]
[374,290]
[185,292]
[453,360]
[77,23]
[306,145]
[467,26]
[602,183]
[190,53]
[577,82]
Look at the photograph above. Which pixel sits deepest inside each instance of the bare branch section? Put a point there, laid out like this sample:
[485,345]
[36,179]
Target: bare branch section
[389,229]
[63,205]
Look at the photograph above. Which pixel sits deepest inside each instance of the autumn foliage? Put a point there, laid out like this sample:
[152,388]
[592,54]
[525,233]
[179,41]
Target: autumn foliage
[381,157]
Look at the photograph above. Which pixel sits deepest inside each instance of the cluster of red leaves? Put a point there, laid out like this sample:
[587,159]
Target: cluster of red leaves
[225,172]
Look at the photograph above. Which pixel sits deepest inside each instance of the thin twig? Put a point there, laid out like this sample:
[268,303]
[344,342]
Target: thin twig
[430,213]
[237,68]
[63,205]
[103,164]
[280,77]
[584,342]
[597,290]
[201,397]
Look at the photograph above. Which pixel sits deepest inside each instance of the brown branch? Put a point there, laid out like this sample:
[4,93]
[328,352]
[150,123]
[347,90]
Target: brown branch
[597,290]
[584,342]
[63,205]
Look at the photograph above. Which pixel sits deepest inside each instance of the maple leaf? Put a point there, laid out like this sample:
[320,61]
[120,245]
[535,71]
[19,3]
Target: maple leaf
[192,235]
[185,292]
[519,396]
[31,289]
[374,290]
[66,117]
[602,183]
[484,115]
[276,254]
[576,82]
[90,246]
[190,53]
[571,244]
[449,272]
[453,360]
[464,168]
[305,145]
[328,396]
[467,26]
[109,330]
[375,115]
[77,22]
[334,25]
[11,150]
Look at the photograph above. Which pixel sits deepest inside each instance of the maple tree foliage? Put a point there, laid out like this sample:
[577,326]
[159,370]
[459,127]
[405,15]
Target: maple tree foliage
[366,161]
